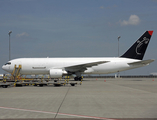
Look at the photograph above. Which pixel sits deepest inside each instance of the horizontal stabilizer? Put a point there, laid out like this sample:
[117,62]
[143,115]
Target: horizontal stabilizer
[142,62]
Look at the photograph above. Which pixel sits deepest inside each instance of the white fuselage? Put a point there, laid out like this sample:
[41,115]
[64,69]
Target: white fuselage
[43,65]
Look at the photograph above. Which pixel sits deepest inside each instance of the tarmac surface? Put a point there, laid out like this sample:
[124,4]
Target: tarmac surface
[101,98]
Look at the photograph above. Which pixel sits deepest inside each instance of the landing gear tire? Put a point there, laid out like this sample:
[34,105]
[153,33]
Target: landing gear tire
[80,78]
[77,78]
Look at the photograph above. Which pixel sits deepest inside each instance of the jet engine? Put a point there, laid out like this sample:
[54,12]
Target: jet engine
[56,73]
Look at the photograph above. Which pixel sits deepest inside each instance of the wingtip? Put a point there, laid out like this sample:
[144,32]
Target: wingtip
[150,32]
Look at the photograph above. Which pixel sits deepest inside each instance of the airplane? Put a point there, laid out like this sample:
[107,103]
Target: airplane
[59,67]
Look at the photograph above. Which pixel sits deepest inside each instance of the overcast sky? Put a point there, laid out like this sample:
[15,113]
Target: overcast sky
[76,28]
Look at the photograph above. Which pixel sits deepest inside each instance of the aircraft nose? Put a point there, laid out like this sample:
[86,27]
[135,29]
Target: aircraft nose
[4,67]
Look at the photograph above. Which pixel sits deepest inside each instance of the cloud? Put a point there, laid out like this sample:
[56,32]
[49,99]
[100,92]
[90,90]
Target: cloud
[133,20]
[101,7]
[22,34]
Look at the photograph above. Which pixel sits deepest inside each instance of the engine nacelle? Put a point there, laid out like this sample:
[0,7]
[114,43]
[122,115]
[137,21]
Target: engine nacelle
[56,73]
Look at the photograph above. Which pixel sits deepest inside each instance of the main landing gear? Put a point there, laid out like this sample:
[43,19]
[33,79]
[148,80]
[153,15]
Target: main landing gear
[78,78]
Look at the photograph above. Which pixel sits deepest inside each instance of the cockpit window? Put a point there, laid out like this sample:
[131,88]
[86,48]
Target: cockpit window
[8,63]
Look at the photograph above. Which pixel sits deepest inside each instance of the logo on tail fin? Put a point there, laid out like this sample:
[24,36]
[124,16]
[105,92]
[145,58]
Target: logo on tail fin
[138,49]
[140,43]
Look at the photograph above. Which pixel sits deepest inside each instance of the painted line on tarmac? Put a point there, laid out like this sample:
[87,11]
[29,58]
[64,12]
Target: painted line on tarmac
[72,115]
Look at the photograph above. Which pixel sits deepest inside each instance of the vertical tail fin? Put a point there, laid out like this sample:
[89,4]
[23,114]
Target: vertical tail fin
[137,50]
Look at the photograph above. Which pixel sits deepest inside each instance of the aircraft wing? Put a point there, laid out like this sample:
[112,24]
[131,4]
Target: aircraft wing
[83,67]
[142,62]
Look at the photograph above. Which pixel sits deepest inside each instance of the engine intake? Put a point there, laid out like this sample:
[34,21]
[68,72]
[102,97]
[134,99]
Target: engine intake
[56,73]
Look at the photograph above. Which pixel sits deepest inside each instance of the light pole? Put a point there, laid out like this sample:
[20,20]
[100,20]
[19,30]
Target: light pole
[118,45]
[9,44]
[118,54]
